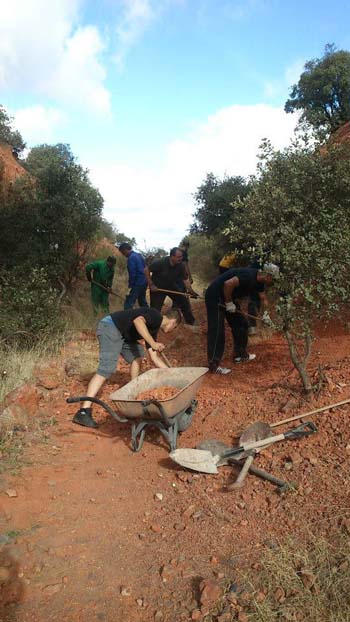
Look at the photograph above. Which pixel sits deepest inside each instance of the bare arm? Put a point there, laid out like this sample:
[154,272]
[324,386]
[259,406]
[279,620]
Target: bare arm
[141,327]
[264,301]
[229,286]
[156,359]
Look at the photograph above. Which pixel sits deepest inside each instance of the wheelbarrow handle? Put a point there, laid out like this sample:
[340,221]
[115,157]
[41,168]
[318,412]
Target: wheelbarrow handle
[94,400]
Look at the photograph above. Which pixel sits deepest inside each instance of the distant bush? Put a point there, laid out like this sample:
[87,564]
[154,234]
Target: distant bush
[29,306]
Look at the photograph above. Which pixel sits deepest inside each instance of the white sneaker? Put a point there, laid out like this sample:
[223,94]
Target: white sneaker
[245,359]
[223,370]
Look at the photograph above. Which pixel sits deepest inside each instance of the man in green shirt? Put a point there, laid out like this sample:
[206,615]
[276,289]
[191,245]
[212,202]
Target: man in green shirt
[100,273]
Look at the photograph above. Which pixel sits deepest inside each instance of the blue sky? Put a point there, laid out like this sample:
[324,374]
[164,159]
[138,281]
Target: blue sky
[153,94]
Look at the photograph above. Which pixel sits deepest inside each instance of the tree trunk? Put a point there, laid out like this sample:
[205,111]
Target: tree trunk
[300,360]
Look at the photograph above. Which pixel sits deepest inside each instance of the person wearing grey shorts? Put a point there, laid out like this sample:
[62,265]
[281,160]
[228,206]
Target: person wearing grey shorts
[119,334]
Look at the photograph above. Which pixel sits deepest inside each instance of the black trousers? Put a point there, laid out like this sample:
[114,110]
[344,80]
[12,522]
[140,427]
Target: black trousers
[238,323]
[254,305]
[180,302]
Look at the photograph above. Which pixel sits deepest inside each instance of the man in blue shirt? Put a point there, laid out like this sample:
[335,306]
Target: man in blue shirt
[137,279]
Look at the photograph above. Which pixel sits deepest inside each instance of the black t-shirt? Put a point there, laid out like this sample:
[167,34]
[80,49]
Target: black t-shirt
[248,284]
[124,321]
[164,275]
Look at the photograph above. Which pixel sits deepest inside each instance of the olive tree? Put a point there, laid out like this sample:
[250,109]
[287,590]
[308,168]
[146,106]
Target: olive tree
[298,213]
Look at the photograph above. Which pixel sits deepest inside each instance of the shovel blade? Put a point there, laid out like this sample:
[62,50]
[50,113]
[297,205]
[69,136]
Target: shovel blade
[196,460]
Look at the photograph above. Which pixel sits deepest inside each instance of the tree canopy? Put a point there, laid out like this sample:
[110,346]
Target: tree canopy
[323,91]
[215,198]
[8,134]
[299,209]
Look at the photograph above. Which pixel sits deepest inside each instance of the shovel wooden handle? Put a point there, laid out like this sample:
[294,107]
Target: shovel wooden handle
[165,359]
[308,414]
[239,483]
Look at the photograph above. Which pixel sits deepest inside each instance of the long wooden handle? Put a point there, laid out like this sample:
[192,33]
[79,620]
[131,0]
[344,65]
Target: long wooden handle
[239,483]
[165,359]
[106,289]
[310,413]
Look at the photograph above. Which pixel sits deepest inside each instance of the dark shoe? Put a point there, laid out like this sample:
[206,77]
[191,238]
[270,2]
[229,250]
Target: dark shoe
[84,417]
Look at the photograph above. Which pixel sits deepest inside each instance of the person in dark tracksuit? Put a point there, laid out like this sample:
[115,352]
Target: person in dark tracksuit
[222,301]
[169,273]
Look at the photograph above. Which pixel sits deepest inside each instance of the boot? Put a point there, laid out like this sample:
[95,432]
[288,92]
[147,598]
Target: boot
[84,417]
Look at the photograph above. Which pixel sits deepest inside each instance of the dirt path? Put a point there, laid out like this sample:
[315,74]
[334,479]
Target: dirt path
[86,538]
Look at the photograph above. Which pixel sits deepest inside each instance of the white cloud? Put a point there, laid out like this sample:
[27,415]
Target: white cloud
[146,202]
[136,16]
[38,121]
[44,52]
[280,88]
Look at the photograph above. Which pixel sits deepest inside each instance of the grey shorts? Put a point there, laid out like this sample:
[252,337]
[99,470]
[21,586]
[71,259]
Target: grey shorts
[112,345]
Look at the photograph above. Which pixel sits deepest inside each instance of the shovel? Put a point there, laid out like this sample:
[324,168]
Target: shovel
[204,461]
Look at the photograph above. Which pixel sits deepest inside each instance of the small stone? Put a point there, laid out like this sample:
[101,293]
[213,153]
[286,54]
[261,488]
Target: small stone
[210,592]
[158,496]
[51,482]
[308,578]
[65,580]
[214,560]
[139,602]
[11,492]
[244,523]
[189,511]
[50,590]
[241,505]
[158,615]
[125,591]
[196,614]
[4,574]
[156,528]
[279,595]
[260,597]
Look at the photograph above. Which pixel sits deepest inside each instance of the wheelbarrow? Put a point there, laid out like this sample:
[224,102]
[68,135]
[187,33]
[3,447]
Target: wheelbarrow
[170,416]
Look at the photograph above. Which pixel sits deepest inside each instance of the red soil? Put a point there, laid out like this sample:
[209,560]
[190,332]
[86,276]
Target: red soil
[97,532]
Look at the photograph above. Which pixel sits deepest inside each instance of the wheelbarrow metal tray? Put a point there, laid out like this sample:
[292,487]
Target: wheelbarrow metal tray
[186,379]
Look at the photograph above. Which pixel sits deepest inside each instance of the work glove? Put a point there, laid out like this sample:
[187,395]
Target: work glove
[266,319]
[230,307]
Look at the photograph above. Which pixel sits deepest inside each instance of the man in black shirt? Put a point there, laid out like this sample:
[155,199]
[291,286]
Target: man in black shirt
[119,334]
[222,301]
[167,273]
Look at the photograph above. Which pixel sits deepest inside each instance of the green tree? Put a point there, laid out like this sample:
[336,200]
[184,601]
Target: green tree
[215,198]
[8,134]
[299,208]
[323,91]
[68,209]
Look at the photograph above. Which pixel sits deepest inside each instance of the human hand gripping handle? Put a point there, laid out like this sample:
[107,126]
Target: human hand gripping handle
[230,307]
[158,347]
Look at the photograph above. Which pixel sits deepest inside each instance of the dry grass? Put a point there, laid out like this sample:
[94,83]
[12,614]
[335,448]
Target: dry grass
[310,583]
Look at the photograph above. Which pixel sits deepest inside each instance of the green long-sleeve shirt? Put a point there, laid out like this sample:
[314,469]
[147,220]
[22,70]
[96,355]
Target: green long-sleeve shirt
[102,273]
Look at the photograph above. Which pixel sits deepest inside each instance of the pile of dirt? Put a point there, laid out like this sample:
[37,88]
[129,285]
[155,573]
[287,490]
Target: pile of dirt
[161,393]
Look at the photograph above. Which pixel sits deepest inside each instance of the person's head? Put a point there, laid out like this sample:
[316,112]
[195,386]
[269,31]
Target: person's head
[125,248]
[269,273]
[175,255]
[111,261]
[171,320]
